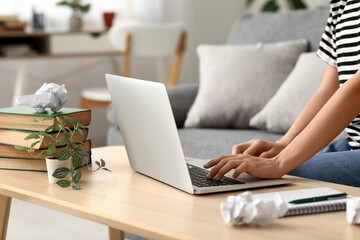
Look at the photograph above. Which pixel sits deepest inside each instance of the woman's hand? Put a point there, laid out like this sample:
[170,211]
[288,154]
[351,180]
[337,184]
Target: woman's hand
[255,166]
[258,147]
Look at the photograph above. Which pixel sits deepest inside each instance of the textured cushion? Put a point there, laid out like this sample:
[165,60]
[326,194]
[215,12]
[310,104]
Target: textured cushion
[206,143]
[237,81]
[284,26]
[282,110]
[181,98]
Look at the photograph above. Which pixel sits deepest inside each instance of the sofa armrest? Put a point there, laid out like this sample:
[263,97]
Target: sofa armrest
[181,99]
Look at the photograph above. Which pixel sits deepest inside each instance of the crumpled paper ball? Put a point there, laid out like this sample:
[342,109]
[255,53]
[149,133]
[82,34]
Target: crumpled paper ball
[353,210]
[50,95]
[243,209]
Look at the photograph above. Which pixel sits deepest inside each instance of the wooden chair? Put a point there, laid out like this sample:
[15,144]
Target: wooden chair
[146,40]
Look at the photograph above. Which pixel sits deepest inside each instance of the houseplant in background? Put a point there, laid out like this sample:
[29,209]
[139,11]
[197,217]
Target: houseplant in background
[69,159]
[78,8]
[274,6]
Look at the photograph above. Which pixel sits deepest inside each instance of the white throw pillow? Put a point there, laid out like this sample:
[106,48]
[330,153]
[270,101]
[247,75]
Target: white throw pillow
[284,107]
[237,81]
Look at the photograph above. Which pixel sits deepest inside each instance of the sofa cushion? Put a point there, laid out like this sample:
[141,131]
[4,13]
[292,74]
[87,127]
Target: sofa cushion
[206,143]
[284,107]
[237,81]
[269,27]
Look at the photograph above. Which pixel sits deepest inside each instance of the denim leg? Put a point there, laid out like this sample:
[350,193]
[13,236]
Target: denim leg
[335,163]
[337,146]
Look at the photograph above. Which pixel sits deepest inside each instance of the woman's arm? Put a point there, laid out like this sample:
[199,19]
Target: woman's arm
[333,117]
[329,85]
[336,114]
[258,147]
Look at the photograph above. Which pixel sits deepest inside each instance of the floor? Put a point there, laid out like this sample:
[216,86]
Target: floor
[32,222]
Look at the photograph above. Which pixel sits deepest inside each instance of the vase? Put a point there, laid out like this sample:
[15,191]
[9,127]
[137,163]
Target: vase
[75,23]
[52,164]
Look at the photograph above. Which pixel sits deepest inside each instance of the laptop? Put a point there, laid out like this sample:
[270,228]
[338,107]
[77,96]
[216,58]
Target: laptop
[153,145]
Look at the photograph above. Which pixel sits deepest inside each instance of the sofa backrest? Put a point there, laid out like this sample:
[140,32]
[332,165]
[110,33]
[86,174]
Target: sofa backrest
[269,27]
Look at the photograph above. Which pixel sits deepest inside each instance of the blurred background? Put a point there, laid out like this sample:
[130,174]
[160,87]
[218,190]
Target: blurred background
[206,22]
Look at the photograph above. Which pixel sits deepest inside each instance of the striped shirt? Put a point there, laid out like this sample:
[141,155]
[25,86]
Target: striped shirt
[340,47]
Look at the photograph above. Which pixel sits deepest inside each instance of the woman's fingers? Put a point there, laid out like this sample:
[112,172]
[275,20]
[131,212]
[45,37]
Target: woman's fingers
[240,148]
[257,147]
[224,165]
[229,165]
[240,169]
[215,161]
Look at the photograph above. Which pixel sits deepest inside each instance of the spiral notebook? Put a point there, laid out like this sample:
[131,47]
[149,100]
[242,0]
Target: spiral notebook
[308,208]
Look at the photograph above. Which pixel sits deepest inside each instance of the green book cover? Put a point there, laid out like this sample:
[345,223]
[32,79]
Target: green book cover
[24,110]
[20,117]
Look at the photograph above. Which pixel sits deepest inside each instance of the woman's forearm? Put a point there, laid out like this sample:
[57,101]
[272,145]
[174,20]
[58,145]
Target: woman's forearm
[336,114]
[329,86]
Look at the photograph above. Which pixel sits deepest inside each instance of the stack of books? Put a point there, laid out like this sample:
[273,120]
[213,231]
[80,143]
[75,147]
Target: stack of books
[16,124]
[11,23]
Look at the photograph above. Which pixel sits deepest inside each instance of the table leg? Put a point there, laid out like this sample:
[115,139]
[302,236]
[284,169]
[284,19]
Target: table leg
[5,203]
[115,234]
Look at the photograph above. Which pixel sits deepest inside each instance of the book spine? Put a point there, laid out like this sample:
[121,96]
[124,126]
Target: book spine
[313,208]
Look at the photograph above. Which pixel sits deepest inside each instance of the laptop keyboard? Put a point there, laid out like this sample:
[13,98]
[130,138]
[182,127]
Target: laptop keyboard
[198,178]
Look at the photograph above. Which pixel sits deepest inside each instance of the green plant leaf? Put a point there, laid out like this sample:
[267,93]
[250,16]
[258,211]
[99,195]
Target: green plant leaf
[64,154]
[70,120]
[80,131]
[270,6]
[51,151]
[80,142]
[67,140]
[81,126]
[98,163]
[106,169]
[21,147]
[49,129]
[57,127]
[77,160]
[58,140]
[76,175]
[32,136]
[102,163]
[81,151]
[34,143]
[63,183]
[76,186]
[61,172]
[61,122]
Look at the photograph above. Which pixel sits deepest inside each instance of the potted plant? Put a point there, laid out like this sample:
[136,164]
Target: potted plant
[78,9]
[63,165]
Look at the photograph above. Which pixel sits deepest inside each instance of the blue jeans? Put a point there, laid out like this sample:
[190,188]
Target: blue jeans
[336,163]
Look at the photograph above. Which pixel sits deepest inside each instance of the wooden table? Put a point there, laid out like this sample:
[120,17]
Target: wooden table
[131,202]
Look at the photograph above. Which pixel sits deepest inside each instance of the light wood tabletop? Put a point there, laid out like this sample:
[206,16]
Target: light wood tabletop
[128,201]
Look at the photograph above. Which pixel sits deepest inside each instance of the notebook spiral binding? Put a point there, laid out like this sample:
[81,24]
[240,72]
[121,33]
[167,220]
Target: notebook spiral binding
[319,207]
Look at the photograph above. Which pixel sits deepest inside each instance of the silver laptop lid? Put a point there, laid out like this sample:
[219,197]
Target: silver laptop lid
[149,131]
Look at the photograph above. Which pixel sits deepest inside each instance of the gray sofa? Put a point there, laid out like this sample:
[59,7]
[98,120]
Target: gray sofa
[251,29]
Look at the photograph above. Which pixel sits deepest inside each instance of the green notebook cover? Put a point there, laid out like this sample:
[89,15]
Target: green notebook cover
[23,110]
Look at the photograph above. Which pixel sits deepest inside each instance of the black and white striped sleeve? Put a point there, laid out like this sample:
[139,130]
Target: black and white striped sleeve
[327,46]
